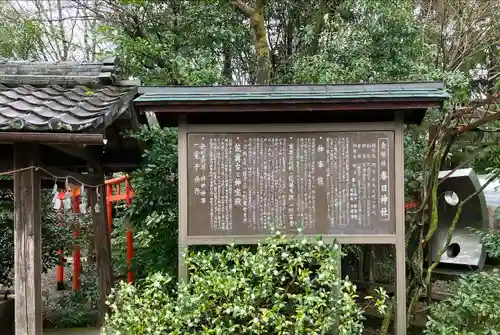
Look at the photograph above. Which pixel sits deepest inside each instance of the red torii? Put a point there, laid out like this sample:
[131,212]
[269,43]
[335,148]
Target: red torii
[111,197]
[113,194]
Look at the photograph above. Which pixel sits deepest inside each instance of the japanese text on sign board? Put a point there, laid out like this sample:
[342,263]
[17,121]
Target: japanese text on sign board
[325,183]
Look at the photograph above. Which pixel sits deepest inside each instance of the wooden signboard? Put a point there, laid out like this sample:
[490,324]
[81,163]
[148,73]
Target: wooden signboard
[344,181]
[325,158]
[241,182]
[323,182]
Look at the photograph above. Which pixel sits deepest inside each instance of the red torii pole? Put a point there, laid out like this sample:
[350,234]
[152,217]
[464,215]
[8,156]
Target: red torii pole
[118,196]
[75,199]
[76,252]
[110,198]
[60,271]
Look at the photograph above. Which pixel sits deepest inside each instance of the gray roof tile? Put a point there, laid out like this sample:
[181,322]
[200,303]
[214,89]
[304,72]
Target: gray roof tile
[56,73]
[251,98]
[56,108]
[60,96]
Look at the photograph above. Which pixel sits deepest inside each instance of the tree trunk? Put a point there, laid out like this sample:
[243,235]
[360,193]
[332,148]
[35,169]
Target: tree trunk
[227,69]
[261,46]
[318,27]
[257,20]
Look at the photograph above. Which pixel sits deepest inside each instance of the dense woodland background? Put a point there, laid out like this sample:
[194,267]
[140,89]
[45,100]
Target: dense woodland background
[215,42]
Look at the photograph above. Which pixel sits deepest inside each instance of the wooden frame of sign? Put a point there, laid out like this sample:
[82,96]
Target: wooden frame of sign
[344,181]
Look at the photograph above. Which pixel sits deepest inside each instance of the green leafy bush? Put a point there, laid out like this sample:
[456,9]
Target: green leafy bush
[472,308]
[284,287]
[54,236]
[154,208]
[491,241]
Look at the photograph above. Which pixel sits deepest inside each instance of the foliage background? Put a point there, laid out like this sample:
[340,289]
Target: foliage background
[471,307]
[54,235]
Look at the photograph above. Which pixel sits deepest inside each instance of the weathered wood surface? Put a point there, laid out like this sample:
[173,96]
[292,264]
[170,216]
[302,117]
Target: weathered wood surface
[27,242]
[102,246]
[324,182]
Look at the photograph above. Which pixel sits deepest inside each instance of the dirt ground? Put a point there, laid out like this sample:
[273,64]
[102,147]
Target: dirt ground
[49,288]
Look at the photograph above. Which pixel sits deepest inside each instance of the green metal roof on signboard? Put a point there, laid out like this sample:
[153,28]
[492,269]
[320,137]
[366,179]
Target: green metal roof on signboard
[397,91]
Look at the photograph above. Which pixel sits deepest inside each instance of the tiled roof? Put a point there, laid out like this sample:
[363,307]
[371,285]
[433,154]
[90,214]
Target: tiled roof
[61,96]
[426,90]
[57,73]
[55,108]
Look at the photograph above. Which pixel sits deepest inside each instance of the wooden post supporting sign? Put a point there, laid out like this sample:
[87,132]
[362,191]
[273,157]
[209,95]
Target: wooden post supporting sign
[399,180]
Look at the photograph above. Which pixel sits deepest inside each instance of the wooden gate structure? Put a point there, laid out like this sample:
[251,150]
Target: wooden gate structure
[61,121]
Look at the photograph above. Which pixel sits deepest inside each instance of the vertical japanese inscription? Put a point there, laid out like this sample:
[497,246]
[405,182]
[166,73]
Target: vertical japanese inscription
[325,183]
[383,177]
[200,167]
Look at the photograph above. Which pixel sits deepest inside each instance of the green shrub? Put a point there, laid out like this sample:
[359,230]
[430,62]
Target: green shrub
[490,239]
[54,236]
[153,213]
[472,308]
[73,312]
[284,287]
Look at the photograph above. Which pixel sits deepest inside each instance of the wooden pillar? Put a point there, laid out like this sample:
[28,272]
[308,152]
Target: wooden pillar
[401,318]
[102,246]
[27,242]
[183,198]
[77,262]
